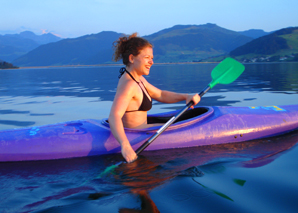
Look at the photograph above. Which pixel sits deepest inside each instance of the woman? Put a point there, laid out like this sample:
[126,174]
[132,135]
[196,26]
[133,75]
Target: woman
[134,94]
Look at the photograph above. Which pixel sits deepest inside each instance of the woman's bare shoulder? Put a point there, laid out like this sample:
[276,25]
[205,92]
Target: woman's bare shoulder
[126,86]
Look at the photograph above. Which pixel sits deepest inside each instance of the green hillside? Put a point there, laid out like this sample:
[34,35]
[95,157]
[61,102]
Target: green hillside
[281,45]
[292,42]
[183,43]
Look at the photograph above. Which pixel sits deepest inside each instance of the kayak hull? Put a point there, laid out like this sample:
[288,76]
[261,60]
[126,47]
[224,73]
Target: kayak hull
[198,127]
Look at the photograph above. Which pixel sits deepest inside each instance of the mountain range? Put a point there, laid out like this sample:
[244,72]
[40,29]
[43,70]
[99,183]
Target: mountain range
[181,43]
[254,33]
[85,50]
[194,42]
[13,46]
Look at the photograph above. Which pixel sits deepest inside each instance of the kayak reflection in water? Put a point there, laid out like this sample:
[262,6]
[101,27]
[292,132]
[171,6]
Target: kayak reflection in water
[134,93]
[154,169]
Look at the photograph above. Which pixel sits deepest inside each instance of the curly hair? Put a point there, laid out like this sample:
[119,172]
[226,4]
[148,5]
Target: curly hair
[127,45]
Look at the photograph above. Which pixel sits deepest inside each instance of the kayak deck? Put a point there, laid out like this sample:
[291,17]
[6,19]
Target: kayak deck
[197,127]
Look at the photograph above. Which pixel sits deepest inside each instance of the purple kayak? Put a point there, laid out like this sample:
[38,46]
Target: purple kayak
[200,126]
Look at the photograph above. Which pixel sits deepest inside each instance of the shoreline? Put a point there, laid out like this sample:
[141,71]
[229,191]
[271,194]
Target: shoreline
[105,65]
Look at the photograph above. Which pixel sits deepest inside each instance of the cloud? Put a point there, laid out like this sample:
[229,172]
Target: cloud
[45,31]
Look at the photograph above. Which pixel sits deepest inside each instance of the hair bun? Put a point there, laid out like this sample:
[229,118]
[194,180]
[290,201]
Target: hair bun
[127,45]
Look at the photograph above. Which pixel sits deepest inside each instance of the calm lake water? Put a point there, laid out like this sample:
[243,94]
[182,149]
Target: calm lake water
[255,176]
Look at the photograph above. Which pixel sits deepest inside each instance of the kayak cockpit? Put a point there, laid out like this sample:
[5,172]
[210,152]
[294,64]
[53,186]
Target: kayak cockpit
[187,118]
[189,114]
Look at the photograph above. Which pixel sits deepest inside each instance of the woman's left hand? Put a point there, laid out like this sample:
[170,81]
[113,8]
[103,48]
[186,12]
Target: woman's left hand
[195,98]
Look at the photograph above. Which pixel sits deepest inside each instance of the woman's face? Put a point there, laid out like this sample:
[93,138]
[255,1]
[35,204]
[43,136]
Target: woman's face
[142,62]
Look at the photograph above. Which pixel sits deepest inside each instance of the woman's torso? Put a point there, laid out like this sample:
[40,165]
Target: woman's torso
[136,112]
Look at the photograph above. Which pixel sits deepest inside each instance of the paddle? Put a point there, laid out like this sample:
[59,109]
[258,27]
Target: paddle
[225,72]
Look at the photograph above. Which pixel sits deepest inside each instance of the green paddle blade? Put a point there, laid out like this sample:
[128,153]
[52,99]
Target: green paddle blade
[108,170]
[226,72]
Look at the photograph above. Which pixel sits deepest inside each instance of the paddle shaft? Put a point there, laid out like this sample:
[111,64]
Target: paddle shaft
[166,125]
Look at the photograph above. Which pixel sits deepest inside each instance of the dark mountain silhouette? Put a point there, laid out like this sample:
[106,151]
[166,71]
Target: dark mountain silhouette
[40,39]
[180,43]
[13,46]
[89,49]
[253,33]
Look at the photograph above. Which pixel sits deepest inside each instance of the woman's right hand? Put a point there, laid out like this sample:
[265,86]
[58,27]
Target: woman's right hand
[128,153]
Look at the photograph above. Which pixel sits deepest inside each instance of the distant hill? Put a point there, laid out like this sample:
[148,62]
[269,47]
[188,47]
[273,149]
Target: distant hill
[180,43]
[183,43]
[40,39]
[13,46]
[89,49]
[253,33]
[5,65]
[281,43]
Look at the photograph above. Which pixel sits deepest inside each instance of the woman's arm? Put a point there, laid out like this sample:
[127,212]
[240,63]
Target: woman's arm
[170,97]
[124,94]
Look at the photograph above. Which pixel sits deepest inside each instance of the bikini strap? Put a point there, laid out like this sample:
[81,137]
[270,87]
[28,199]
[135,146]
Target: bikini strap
[123,70]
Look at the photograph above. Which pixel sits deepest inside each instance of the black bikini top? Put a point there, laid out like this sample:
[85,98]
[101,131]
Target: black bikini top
[146,103]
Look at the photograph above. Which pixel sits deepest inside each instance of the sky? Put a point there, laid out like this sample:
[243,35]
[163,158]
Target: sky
[74,18]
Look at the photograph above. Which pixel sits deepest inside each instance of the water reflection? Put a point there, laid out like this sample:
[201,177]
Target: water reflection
[147,205]
[271,77]
[100,81]
[41,96]
[61,94]
[77,82]
[157,168]
[64,180]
